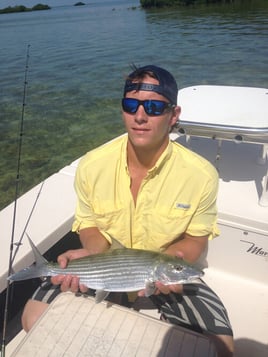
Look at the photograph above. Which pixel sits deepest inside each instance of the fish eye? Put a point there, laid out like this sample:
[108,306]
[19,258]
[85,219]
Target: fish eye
[178,267]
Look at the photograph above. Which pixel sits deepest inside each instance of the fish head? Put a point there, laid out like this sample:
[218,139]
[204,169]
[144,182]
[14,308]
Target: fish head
[176,271]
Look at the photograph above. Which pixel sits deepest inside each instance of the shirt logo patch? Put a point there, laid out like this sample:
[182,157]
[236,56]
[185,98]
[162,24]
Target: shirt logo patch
[183,205]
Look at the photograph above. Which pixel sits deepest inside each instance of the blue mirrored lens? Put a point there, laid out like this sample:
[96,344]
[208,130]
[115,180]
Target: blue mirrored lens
[154,107]
[151,107]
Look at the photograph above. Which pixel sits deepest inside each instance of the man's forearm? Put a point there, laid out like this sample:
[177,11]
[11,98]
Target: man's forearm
[92,240]
[190,247]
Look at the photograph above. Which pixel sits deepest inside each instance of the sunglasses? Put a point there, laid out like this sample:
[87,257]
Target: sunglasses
[151,106]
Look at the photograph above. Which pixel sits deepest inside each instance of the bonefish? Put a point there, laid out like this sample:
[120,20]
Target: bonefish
[119,269]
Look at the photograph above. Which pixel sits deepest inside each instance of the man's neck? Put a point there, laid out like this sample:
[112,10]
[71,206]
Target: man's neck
[143,159]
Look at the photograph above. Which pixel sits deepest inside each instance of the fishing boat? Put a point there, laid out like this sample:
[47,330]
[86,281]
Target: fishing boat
[227,125]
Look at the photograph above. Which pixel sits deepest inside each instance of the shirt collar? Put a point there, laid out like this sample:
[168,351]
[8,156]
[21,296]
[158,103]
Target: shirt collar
[164,157]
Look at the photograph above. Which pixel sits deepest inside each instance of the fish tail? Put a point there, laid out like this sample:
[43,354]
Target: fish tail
[39,268]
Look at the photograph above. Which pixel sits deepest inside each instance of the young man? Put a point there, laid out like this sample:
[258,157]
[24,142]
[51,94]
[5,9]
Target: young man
[150,193]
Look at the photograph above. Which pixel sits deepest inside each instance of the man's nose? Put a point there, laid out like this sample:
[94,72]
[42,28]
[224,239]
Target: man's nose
[140,115]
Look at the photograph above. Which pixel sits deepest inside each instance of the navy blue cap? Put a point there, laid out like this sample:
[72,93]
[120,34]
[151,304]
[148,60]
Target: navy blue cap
[167,84]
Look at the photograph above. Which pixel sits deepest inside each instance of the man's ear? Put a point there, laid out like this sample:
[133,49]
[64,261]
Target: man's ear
[175,117]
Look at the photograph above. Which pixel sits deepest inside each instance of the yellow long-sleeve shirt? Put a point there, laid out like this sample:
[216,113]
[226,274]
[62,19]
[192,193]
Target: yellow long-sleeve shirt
[178,195]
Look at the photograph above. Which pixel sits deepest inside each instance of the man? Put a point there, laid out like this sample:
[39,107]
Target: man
[150,193]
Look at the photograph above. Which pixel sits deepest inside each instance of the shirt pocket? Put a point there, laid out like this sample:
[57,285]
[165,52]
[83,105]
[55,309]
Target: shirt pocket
[163,227]
[110,219]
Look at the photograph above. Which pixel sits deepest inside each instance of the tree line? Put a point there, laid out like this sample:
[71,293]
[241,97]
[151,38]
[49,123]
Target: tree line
[22,8]
[162,3]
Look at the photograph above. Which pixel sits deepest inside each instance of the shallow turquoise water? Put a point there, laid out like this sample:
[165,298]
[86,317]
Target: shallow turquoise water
[79,57]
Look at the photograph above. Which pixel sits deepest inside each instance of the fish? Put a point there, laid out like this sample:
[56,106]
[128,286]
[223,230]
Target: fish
[119,269]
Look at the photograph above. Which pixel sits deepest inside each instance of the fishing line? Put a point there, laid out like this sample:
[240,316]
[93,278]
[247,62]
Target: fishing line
[19,243]
[15,201]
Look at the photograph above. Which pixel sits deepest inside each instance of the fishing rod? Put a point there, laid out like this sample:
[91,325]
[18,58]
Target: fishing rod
[21,128]
[19,242]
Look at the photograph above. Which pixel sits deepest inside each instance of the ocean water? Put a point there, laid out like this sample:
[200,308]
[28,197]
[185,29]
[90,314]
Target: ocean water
[79,57]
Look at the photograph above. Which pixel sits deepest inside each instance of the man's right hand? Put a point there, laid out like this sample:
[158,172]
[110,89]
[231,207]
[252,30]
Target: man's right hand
[70,282]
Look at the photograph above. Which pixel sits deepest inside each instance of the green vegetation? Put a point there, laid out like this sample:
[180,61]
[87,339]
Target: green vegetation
[163,3]
[22,8]
[40,7]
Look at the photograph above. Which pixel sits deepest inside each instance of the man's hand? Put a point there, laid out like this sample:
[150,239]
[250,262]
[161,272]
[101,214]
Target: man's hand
[69,282]
[93,242]
[167,289]
[164,289]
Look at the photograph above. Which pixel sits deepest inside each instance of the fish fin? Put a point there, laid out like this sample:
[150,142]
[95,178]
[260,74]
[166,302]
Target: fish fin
[36,270]
[30,272]
[39,259]
[149,288]
[101,295]
[116,244]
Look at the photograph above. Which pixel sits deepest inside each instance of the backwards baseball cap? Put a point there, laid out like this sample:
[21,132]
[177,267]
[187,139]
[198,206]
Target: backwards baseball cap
[167,84]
